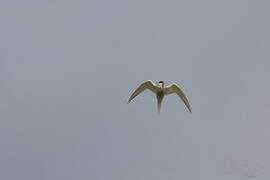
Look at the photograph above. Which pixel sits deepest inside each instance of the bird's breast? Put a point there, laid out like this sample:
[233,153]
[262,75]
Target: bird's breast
[160,94]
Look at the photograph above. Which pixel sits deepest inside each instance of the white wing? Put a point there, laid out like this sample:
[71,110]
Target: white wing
[146,85]
[176,89]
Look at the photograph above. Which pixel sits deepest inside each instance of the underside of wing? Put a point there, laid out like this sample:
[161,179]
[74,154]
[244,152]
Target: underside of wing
[146,85]
[176,89]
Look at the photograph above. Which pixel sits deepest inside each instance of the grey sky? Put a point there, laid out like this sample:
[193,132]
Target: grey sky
[67,69]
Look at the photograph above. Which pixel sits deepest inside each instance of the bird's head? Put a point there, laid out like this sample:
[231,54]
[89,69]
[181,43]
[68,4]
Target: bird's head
[161,83]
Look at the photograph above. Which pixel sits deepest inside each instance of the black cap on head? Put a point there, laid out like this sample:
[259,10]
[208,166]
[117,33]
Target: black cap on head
[160,82]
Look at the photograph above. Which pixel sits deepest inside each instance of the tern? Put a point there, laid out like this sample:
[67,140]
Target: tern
[161,90]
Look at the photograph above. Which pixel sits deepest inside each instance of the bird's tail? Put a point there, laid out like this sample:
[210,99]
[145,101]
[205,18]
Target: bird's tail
[159,106]
[159,100]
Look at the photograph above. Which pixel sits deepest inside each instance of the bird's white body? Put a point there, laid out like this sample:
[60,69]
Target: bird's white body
[160,90]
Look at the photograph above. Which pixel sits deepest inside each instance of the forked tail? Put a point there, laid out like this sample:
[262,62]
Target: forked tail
[159,100]
[159,105]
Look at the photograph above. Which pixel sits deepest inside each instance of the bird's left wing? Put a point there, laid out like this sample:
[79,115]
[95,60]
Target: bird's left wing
[145,85]
[176,89]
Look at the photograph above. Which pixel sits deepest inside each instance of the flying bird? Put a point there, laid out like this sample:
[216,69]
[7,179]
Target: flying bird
[161,90]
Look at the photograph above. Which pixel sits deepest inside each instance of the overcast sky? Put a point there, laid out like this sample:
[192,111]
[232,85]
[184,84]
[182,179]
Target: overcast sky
[67,69]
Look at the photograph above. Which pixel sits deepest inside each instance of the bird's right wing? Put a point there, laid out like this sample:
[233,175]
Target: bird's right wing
[146,85]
